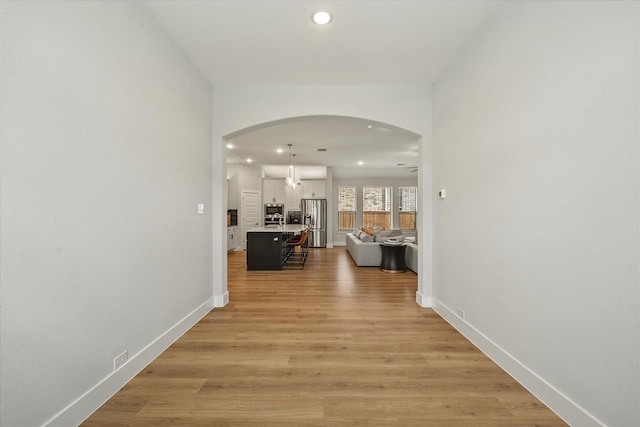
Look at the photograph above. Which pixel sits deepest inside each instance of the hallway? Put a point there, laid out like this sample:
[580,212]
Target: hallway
[330,345]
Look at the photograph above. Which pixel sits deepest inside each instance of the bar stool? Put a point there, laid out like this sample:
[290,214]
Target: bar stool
[298,257]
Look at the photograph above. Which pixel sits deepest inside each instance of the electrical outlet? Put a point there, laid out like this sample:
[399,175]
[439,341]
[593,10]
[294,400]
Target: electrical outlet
[460,313]
[120,360]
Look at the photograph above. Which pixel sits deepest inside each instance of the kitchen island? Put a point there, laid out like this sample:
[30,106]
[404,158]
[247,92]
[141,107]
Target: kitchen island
[267,246]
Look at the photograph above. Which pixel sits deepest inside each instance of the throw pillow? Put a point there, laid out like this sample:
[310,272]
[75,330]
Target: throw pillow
[396,232]
[366,237]
[383,235]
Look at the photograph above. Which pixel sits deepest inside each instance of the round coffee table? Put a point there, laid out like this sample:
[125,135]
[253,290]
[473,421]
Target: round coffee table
[393,260]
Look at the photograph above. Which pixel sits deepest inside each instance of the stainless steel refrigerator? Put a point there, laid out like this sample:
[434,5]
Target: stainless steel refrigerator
[314,214]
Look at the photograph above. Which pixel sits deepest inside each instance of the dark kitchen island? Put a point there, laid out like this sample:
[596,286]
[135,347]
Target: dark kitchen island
[267,246]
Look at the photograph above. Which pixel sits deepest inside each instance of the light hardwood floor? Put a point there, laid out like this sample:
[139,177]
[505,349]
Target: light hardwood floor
[331,345]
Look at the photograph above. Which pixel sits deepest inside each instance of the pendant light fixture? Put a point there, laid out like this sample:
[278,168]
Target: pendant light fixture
[291,179]
[294,171]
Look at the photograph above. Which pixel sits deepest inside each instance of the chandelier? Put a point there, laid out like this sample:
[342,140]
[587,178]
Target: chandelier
[291,179]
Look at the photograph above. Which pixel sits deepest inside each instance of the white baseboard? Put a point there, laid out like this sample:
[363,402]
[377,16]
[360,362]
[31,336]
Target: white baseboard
[329,245]
[339,244]
[221,300]
[423,301]
[89,402]
[564,407]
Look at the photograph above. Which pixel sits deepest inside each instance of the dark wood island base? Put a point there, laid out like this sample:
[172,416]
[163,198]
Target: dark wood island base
[267,247]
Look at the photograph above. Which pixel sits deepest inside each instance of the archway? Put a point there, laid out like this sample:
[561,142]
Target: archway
[242,109]
[388,154]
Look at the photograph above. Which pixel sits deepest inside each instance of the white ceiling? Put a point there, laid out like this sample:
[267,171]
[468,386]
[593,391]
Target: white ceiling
[391,42]
[347,141]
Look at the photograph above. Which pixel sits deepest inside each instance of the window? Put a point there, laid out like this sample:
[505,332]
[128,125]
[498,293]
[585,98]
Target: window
[407,207]
[376,207]
[346,208]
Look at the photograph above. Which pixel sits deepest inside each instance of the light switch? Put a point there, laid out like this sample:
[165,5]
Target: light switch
[200,208]
[442,193]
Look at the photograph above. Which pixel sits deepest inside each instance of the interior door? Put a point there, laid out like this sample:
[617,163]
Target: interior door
[251,213]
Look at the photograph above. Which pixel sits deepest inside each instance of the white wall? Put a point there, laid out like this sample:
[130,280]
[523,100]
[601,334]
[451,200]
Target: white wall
[242,177]
[250,177]
[339,236]
[106,148]
[233,188]
[237,108]
[536,139]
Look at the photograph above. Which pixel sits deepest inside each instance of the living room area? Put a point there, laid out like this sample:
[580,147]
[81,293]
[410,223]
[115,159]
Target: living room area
[374,213]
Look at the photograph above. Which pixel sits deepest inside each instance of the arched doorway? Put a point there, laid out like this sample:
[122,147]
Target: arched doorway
[238,110]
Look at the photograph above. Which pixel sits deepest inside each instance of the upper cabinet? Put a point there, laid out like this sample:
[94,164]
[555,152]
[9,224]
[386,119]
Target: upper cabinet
[273,190]
[314,189]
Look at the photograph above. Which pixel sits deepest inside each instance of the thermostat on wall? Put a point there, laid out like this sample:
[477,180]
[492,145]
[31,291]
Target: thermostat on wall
[442,193]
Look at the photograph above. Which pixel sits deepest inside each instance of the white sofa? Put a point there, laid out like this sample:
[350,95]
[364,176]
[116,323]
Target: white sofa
[411,257]
[368,254]
[365,254]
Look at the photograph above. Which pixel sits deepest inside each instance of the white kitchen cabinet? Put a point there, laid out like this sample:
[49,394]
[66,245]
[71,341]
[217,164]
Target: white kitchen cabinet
[293,196]
[273,190]
[314,189]
[232,238]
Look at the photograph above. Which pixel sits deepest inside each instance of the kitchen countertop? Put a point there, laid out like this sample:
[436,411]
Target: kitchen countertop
[289,228]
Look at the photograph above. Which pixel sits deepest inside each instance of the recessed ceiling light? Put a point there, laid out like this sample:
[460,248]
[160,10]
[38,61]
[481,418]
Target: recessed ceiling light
[360,163]
[249,160]
[321,17]
[279,150]
[370,127]
[229,145]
